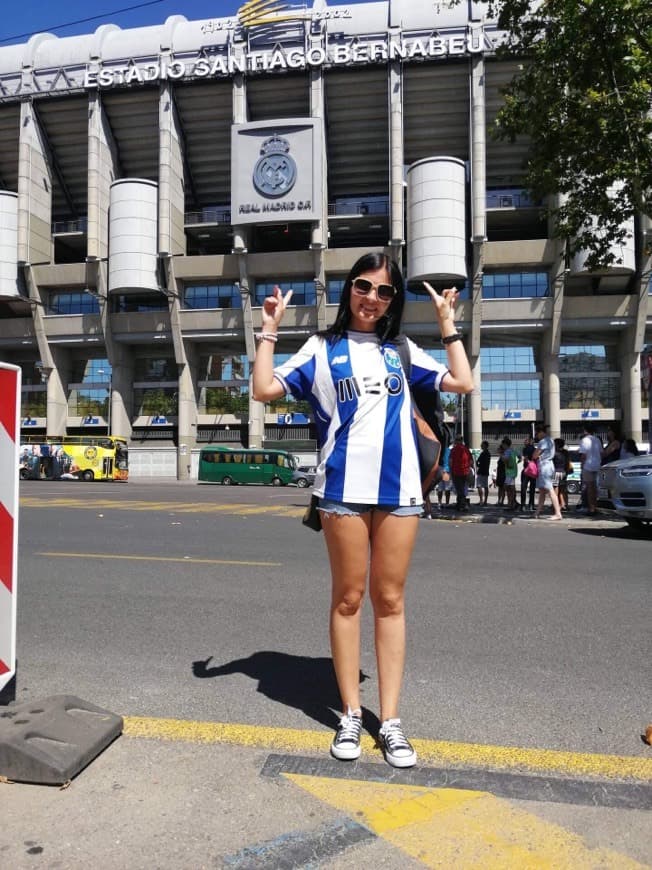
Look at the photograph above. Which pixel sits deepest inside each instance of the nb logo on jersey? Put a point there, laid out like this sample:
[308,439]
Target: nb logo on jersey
[392,358]
[349,388]
[340,360]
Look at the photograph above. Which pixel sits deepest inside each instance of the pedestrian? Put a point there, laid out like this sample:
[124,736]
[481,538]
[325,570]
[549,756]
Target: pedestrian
[528,484]
[590,449]
[445,484]
[499,478]
[482,464]
[628,449]
[461,462]
[511,470]
[368,483]
[544,450]
[561,462]
[611,451]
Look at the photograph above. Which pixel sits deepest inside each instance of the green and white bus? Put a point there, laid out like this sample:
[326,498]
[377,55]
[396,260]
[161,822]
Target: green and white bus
[228,465]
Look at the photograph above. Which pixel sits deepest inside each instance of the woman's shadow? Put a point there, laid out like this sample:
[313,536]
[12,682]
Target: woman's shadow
[305,683]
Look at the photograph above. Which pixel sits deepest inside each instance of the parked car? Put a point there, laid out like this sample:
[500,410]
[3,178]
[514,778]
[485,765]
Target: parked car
[627,485]
[574,478]
[304,476]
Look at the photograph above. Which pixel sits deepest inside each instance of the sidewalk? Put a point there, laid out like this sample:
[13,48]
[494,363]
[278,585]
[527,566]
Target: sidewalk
[497,514]
[165,803]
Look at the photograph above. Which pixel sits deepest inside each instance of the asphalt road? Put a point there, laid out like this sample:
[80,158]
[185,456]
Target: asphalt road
[210,603]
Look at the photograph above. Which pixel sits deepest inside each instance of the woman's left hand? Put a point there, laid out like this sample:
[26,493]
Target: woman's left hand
[444,302]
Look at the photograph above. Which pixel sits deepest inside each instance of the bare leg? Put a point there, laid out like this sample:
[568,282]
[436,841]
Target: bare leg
[392,542]
[347,541]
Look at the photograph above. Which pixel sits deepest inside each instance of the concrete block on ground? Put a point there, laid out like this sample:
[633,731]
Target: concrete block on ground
[50,741]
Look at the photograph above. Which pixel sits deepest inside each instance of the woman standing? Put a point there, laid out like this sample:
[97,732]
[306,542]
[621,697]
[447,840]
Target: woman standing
[561,461]
[368,481]
[544,450]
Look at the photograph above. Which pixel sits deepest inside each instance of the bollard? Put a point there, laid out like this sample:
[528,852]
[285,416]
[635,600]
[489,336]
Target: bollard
[10,381]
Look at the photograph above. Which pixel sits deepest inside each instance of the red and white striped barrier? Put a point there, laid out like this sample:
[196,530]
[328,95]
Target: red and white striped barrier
[9,455]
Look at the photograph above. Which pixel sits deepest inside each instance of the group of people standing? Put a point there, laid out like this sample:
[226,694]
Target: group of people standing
[594,454]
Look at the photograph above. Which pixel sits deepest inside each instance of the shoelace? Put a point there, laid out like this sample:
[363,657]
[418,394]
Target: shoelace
[350,728]
[394,737]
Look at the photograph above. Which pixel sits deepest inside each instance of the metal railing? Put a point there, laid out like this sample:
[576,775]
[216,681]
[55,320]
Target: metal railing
[358,207]
[77,226]
[208,216]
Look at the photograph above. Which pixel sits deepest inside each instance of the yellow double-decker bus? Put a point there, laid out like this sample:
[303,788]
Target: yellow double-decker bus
[74,457]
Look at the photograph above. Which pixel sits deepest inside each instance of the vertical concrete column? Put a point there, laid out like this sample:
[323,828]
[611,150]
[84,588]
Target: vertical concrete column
[57,392]
[551,343]
[103,169]
[187,415]
[122,391]
[630,392]
[475,404]
[171,197]
[396,160]
[34,191]
[240,116]
[319,238]
[473,346]
[478,149]
[187,378]
[551,390]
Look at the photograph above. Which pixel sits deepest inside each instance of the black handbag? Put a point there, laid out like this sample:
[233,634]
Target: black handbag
[312,517]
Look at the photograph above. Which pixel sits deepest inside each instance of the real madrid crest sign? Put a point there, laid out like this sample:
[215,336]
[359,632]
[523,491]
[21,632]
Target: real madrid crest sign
[275,171]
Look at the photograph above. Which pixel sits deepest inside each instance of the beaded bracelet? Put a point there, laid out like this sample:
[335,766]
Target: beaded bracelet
[456,336]
[267,336]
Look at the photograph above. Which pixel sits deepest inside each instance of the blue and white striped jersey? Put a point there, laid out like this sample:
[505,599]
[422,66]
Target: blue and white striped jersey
[363,415]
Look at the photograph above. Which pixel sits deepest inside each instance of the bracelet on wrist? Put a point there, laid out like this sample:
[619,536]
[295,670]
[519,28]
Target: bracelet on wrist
[267,336]
[449,339]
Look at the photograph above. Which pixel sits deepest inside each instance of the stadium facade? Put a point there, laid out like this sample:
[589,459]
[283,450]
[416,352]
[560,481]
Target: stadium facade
[155,183]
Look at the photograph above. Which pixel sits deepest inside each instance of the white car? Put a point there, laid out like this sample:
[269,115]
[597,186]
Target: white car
[627,484]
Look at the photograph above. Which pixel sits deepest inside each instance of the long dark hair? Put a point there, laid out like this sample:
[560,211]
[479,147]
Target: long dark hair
[389,325]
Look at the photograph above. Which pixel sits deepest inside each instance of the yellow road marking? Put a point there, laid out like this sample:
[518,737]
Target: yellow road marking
[160,559]
[236,508]
[460,828]
[431,752]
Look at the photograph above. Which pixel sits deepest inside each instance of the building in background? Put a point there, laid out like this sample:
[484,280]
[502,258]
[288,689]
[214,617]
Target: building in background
[155,183]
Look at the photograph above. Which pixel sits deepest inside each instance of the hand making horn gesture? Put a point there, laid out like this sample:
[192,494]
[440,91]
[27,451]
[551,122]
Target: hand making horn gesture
[274,307]
[444,302]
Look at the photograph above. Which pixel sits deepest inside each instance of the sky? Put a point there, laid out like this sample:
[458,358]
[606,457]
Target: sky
[20,19]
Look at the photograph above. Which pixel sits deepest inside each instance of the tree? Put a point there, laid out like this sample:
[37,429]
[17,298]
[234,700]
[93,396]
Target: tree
[583,95]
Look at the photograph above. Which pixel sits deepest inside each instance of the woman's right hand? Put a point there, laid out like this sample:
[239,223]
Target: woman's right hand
[274,308]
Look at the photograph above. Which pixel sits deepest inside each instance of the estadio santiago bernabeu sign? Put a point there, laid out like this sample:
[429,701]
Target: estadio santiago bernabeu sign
[276,171]
[265,37]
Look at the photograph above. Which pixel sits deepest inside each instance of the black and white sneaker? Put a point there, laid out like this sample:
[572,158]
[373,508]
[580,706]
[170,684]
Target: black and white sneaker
[396,747]
[346,743]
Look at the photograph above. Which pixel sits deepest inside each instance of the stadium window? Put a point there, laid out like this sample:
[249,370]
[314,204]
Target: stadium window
[304,292]
[514,285]
[72,302]
[220,295]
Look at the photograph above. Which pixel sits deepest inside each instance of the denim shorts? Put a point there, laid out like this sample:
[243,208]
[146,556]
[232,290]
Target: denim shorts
[352,509]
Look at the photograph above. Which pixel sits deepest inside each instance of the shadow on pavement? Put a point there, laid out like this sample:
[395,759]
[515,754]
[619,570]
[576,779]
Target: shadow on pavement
[305,683]
[626,533]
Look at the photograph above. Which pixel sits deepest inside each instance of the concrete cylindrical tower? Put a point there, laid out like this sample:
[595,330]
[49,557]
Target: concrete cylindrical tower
[437,220]
[8,244]
[133,235]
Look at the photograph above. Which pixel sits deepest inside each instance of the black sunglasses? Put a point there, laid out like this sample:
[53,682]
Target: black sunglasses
[362,287]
